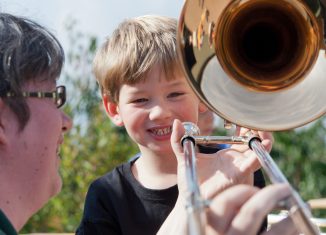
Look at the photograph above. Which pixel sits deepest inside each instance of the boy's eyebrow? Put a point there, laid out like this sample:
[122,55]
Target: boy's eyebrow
[139,91]
[135,92]
[177,83]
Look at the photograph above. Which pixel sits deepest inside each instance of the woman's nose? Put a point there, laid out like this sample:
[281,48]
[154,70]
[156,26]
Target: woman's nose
[66,123]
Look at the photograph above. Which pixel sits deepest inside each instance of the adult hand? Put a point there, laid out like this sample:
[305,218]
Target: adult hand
[236,164]
[231,210]
[241,210]
[218,171]
[265,136]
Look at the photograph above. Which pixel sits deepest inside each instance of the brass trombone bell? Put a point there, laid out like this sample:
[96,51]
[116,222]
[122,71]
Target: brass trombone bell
[256,63]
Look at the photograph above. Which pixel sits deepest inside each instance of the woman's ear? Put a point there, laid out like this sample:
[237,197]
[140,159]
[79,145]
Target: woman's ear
[112,110]
[3,137]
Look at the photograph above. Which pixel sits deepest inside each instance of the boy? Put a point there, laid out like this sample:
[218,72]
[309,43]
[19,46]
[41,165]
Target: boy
[31,124]
[144,90]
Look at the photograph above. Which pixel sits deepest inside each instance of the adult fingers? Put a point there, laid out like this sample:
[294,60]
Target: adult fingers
[232,168]
[249,163]
[253,212]
[286,226]
[267,139]
[240,131]
[225,206]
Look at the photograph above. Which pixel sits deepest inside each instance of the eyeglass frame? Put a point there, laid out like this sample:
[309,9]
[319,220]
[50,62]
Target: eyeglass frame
[59,95]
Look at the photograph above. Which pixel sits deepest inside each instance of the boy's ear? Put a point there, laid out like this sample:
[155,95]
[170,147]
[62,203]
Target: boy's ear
[112,110]
[202,107]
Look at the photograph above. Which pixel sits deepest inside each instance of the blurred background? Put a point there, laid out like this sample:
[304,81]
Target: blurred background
[95,146]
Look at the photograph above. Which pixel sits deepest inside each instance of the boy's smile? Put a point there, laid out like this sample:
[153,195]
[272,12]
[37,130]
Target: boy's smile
[161,133]
[147,109]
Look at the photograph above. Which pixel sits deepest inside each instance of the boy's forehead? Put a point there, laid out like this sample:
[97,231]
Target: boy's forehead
[171,79]
[150,80]
[162,73]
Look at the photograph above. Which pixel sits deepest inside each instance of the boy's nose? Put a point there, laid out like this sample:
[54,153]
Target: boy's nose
[159,111]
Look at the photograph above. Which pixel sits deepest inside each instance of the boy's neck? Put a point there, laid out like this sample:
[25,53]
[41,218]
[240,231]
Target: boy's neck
[155,172]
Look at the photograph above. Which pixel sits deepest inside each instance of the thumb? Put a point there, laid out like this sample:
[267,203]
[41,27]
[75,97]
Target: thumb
[177,133]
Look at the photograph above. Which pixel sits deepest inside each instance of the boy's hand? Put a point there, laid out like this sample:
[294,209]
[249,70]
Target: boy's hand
[177,133]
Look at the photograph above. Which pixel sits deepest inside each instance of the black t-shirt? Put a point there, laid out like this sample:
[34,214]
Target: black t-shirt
[117,203]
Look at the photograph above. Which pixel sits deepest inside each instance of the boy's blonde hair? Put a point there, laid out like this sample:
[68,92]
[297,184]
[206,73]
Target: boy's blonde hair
[133,49]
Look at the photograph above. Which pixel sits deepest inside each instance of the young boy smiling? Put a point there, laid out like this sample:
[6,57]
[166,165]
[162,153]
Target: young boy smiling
[144,90]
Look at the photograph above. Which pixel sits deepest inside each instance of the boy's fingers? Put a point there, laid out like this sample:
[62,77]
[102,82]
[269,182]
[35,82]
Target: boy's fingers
[177,133]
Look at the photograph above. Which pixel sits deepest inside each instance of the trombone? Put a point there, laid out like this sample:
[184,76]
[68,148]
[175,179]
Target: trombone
[313,204]
[259,64]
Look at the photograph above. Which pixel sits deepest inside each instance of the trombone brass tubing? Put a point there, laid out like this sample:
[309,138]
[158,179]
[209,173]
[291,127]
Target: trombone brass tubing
[259,64]
[205,140]
[298,210]
[318,203]
[195,205]
[256,63]
[275,218]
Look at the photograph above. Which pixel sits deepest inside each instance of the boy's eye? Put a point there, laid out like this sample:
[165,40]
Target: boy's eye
[175,94]
[140,100]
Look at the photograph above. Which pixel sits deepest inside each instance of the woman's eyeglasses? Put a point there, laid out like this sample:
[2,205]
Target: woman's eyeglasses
[59,95]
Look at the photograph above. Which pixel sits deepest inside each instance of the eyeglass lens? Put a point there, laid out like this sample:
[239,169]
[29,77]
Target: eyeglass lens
[61,96]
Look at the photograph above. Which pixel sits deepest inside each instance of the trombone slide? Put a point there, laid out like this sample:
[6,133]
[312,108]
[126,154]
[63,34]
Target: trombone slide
[298,210]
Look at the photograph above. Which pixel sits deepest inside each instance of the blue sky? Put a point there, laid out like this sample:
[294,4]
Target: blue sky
[96,17]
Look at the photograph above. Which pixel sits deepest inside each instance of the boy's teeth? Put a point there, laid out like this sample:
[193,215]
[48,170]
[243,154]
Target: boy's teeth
[163,131]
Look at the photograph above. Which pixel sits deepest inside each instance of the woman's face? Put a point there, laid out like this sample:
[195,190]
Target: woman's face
[35,149]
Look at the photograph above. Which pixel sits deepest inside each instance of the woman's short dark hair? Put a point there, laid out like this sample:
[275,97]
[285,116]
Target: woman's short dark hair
[28,52]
